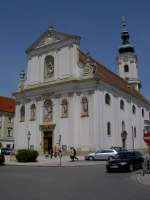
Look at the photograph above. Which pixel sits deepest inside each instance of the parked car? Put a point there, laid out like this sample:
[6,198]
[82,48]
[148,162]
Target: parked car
[104,154]
[118,149]
[7,151]
[2,158]
[125,161]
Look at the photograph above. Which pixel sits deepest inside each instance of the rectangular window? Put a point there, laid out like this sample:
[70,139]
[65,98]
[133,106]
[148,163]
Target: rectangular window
[9,133]
[134,132]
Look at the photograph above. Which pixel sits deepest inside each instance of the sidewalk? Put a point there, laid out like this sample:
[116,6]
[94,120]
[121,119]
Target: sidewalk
[145,180]
[42,161]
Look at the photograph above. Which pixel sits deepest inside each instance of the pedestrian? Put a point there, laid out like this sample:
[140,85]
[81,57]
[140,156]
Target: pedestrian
[73,154]
[55,151]
[51,153]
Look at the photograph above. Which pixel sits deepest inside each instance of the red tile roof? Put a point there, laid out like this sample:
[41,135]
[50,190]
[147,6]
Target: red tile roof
[111,78]
[7,104]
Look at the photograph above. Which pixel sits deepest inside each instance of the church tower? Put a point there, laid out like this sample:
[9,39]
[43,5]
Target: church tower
[127,60]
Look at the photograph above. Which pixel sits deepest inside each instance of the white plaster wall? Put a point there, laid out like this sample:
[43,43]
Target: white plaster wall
[133,69]
[20,130]
[66,65]
[85,133]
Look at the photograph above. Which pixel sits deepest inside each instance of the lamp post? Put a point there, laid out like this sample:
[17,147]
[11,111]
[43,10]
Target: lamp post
[59,142]
[28,138]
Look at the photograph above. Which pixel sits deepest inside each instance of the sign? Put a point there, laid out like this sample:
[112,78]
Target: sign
[147,122]
[147,138]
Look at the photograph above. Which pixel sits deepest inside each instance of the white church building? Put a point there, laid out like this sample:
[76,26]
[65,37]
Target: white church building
[67,97]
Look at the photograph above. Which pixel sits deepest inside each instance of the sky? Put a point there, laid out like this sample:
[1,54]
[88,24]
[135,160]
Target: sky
[98,22]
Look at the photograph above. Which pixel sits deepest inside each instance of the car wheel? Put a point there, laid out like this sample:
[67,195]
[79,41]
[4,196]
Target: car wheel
[108,170]
[131,168]
[91,158]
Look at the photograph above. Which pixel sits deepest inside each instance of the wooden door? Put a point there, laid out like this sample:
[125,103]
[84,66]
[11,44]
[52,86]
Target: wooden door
[47,141]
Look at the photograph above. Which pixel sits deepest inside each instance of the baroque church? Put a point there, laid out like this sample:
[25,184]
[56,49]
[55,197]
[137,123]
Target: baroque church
[69,99]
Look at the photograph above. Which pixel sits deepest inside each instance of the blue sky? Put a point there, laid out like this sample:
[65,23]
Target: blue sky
[96,21]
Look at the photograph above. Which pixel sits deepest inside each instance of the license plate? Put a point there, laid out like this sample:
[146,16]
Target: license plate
[114,166]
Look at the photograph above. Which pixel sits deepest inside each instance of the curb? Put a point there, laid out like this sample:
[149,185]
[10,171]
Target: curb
[65,164]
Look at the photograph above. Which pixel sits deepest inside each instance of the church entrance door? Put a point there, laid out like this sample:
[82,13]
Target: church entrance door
[47,141]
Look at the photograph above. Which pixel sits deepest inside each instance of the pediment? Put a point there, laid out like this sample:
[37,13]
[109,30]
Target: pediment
[46,41]
[50,37]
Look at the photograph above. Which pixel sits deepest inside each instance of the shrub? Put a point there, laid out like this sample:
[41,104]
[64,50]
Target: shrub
[24,155]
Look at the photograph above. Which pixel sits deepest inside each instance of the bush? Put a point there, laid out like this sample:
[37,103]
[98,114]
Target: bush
[24,155]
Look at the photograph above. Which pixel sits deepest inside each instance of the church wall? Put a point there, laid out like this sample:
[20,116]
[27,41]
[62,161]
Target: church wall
[63,68]
[115,115]
[33,70]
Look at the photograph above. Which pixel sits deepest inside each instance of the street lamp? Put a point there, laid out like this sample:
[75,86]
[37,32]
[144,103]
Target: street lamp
[28,138]
[59,142]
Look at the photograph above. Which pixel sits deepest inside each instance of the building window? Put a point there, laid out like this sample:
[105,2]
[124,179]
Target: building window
[134,132]
[64,108]
[48,111]
[49,66]
[9,133]
[84,107]
[123,126]
[107,99]
[22,113]
[9,119]
[108,128]
[149,115]
[142,112]
[33,112]
[134,109]
[121,104]
[126,68]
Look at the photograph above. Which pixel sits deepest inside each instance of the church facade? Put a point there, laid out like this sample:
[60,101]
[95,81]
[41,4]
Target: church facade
[70,99]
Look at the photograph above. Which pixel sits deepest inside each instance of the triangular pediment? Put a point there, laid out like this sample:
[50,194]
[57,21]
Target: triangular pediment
[50,37]
[46,41]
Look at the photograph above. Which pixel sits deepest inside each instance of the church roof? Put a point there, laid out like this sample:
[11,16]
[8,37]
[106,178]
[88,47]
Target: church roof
[111,78]
[7,104]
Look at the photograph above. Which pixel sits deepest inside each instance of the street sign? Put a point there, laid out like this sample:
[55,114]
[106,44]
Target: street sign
[147,137]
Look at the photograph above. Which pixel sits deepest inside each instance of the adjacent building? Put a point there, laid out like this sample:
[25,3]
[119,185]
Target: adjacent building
[69,98]
[7,113]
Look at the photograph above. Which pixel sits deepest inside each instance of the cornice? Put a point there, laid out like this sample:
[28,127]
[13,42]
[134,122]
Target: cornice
[53,47]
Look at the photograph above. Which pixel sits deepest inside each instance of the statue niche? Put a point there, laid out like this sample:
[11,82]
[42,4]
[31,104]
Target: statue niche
[49,66]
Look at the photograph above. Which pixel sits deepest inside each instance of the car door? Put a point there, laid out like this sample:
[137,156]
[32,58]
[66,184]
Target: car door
[99,155]
[108,153]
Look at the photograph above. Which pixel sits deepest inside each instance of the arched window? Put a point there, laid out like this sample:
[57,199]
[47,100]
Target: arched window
[126,68]
[108,128]
[133,109]
[84,107]
[142,112]
[107,99]
[33,112]
[48,111]
[49,66]
[121,104]
[22,113]
[123,126]
[64,108]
